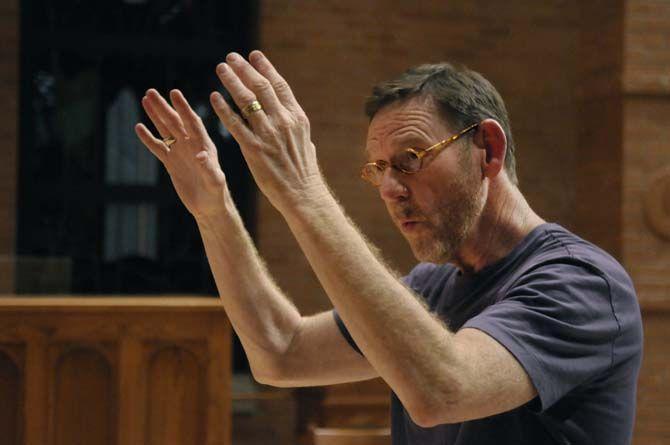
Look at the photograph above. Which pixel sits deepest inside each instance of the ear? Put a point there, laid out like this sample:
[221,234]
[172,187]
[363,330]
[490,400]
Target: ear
[490,137]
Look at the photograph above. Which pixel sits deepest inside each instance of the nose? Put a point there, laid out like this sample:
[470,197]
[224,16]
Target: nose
[392,187]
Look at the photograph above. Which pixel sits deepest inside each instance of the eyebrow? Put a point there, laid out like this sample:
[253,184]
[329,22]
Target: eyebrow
[413,142]
[410,141]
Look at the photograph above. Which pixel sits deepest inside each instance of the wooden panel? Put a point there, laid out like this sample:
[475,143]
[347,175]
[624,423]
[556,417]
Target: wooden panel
[122,371]
[84,403]
[653,416]
[175,385]
[362,404]
[647,34]
[11,386]
[352,436]
[132,393]
[598,173]
[646,151]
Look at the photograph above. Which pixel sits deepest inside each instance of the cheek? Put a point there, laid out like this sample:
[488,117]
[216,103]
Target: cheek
[428,197]
[454,192]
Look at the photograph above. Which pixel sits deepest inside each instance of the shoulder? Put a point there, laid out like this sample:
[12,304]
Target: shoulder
[560,243]
[581,277]
[565,251]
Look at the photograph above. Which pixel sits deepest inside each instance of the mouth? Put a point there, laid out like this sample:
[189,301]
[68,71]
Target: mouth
[407,219]
[409,226]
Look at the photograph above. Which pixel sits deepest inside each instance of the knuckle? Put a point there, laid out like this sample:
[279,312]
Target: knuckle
[254,146]
[281,86]
[302,119]
[261,85]
[284,124]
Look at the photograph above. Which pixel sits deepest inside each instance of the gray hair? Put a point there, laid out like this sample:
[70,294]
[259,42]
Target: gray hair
[464,97]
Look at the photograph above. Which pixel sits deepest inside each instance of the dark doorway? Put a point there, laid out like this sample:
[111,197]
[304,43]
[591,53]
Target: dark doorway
[97,213]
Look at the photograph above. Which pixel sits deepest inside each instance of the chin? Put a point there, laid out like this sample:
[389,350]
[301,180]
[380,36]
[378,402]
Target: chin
[432,253]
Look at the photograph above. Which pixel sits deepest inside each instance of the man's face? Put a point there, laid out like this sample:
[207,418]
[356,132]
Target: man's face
[436,207]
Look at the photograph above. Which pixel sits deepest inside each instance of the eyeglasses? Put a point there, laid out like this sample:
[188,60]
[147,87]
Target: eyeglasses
[408,161]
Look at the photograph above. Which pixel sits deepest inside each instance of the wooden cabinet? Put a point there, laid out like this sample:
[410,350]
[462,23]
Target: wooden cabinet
[107,371]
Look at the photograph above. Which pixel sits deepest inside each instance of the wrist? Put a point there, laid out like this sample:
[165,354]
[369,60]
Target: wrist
[316,207]
[313,193]
[214,217]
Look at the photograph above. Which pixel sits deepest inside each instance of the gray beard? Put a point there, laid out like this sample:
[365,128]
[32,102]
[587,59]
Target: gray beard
[451,224]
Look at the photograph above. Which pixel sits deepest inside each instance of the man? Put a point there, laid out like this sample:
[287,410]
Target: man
[510,330]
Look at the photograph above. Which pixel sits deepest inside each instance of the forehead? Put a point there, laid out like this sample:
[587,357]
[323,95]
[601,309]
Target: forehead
[414,120]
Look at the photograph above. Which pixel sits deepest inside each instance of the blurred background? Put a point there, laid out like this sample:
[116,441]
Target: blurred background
[87,211]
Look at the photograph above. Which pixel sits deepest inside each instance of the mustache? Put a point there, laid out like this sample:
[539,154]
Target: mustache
[405,212]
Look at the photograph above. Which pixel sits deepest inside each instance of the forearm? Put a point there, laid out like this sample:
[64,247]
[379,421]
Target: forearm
[263,318]
[411,349]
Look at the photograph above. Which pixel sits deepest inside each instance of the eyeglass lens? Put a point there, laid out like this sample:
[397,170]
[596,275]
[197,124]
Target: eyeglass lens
[406,161]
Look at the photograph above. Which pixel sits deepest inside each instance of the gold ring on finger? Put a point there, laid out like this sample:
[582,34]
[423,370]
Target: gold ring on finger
[251,108]
[169,141]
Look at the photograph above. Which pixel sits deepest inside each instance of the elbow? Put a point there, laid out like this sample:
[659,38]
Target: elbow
[272,372]
[263,377]
[271,380]
[433,409]
[275,364]
[426,417]
[267,374]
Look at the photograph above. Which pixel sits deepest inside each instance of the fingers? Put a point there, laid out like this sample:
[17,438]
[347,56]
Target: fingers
[165,114]
[231,120]
[155,118]
[192,122]
[242,96]
[279,85]
[155,146]
[258,84]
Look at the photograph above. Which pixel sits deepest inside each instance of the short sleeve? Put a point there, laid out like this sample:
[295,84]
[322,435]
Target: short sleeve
[345,332]
[558,321]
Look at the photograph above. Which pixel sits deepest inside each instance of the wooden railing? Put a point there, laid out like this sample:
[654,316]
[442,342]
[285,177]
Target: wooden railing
[108,371]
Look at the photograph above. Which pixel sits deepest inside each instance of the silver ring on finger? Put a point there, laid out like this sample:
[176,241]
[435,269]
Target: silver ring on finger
[253,107]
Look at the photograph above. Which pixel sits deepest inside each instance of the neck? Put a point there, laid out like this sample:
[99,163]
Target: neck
[505,221]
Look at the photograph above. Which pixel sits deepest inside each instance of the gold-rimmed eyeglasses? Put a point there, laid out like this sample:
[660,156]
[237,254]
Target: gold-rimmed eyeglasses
[408,161]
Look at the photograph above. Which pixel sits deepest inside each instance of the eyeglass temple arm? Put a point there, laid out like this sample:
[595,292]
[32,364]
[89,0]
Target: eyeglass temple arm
[445,143]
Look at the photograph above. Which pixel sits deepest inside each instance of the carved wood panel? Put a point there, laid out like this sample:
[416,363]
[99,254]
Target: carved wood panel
[11,397]
[114,371]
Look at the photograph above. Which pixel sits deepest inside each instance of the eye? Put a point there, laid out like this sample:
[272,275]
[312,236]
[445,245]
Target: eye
[407,161]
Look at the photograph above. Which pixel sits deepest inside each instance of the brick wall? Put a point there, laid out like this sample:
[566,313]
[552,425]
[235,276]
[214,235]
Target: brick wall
[333,51]
[598,175]
[9,98]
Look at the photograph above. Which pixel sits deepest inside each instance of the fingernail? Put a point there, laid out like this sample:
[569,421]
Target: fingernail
[222,68]
[217,98]
[233,57]
[256,55]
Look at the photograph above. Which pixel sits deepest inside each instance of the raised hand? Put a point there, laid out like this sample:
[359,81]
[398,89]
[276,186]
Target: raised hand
[186,151]
[275,139]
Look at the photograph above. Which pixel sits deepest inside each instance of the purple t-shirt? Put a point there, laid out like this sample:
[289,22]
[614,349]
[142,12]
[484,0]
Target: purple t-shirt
[569,314]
